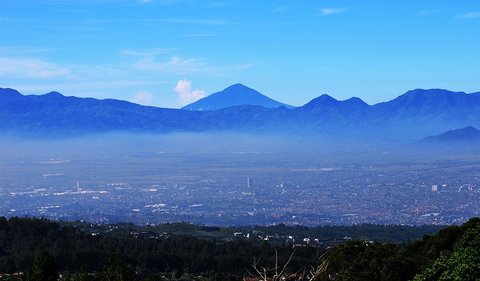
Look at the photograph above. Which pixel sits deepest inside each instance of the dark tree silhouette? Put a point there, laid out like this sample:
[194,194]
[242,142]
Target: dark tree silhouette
[116,270]
[43,269]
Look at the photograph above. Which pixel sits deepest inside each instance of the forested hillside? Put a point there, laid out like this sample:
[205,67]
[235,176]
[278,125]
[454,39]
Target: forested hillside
[45,250]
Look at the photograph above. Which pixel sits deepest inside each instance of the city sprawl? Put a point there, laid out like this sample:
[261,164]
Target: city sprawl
[240,186]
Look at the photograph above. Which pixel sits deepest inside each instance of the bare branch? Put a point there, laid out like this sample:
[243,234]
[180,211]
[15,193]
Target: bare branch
[318,270]
[276,264]
[263,273]
[288,261]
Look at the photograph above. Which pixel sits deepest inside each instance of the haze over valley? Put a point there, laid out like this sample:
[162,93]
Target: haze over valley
[238,179]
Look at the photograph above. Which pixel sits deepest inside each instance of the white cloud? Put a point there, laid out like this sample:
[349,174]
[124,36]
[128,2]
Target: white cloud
[160,61]
[11,51]
[471,15]
[4,19]
[143,97]
[427,13]
[185,92]
[243,66]
[331,11]
[30,68]
[282,8]
[175,65]
[144,53]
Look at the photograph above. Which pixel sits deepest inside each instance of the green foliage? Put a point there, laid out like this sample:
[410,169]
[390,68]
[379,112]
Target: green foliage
[431,247]
[451,254]
[116,270]
[384,233]
[43,269]
[463,264]
[185,255]
[81,276]
[361,260]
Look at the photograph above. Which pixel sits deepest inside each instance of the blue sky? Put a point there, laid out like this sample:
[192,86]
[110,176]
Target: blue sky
[170,52]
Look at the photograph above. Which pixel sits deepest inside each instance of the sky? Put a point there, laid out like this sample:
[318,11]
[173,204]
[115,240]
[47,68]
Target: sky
[169,53]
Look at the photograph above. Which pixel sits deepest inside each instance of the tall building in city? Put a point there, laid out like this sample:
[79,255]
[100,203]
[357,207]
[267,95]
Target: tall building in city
[434,188]
[249,182]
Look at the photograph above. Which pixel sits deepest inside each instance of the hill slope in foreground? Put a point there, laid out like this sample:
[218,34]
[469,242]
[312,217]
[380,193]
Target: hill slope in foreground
[118,254]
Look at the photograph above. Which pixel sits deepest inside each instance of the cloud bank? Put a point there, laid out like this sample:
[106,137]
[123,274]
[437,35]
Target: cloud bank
[143,97]
[471,15]
[30,68]
[185,92]
[331,11]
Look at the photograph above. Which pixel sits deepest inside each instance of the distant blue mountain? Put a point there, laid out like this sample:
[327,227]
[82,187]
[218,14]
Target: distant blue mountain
[412,115]
[433,110]
[55,114]
[467,134]
[234,95]
[433,103]
[327,103]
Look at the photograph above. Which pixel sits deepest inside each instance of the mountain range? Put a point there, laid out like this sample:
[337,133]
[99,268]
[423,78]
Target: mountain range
[468,134]
[415,114]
